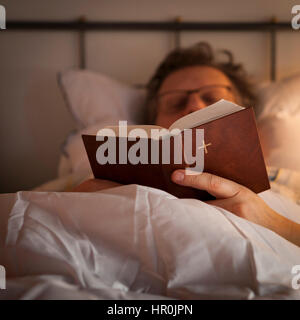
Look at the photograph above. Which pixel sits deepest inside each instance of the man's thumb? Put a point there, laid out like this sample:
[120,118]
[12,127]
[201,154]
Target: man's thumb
[220,188]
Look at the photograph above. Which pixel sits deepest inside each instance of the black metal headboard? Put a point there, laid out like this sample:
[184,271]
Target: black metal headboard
[82,26]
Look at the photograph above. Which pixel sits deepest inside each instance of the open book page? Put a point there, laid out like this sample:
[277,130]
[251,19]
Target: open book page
[207,114]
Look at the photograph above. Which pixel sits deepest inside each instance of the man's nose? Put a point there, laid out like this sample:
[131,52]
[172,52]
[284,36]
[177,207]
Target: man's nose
[194,103]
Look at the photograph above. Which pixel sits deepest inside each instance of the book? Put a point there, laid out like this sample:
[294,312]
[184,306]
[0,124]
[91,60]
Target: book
[228,142]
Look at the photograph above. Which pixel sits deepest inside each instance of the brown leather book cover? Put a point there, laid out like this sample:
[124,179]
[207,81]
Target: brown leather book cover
[233,151]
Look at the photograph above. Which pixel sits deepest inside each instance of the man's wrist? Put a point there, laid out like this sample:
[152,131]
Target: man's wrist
[284,227]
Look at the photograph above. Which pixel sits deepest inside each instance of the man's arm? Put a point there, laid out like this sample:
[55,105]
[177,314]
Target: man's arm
[240,201]
[93,185]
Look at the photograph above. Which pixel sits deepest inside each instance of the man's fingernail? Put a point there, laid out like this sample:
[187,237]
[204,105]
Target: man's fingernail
[178,176]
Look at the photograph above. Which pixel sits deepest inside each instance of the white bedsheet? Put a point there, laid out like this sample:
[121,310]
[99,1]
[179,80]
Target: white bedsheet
[134,242]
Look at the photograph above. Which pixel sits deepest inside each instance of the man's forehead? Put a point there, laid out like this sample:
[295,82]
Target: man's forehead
[195,77]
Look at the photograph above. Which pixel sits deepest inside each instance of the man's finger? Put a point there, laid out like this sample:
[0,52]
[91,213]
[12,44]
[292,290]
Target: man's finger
[218,187]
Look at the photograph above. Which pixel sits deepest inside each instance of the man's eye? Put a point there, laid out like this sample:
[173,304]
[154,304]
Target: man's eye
[209,98]
[176,103]
[213,97]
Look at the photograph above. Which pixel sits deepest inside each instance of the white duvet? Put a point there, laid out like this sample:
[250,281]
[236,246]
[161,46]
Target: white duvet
[135,242]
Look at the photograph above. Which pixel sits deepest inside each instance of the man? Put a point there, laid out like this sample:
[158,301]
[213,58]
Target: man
[186,81]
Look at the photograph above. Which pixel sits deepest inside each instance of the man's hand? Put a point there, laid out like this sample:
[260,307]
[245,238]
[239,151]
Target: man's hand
[240,201]
[93,185]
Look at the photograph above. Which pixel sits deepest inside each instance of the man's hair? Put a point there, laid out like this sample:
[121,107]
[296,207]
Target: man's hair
[200,54]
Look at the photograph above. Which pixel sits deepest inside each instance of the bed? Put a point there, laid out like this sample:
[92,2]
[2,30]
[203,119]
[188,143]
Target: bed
[136,242]
[65,245]
[149,246]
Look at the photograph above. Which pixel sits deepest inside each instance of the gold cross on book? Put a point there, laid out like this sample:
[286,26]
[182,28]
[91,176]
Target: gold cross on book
[204,146]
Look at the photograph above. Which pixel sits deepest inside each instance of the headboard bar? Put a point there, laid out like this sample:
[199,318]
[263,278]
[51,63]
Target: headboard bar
[146,26]
[177,25]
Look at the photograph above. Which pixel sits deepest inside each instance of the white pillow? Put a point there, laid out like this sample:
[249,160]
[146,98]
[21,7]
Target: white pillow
[75,151]
[279,123]
[280,139]
[280,98]
[94,98]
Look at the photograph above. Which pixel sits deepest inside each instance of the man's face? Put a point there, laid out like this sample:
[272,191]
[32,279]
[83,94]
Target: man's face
[174,102]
